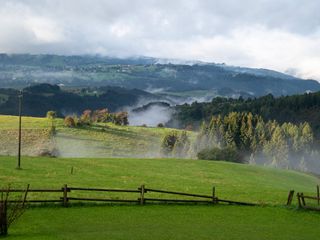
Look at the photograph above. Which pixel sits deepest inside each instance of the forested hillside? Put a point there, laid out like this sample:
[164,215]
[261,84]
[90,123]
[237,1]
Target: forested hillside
[295,109]
[39,99]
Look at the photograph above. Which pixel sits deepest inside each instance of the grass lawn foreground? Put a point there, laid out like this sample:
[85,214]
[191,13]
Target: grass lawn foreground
[166,222]
[233,181]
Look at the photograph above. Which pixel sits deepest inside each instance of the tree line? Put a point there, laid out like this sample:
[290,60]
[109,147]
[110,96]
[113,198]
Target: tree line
[248,138]
[296,109]
[89,117]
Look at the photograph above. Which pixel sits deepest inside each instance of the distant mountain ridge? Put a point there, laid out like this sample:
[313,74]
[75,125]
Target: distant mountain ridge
[145,73]
[39,99]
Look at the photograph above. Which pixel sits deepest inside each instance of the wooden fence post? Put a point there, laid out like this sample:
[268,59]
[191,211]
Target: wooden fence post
[299,200]
[3,218]
[142,191]
[25,195]
[65,195]
[318,194]
[214,194]
[290,196]
[303,200]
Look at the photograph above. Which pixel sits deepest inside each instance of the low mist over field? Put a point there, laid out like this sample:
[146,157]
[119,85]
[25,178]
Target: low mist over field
[152,116]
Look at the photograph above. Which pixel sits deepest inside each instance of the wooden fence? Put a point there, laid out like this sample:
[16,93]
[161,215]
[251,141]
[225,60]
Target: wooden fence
[142,198]
[314,204]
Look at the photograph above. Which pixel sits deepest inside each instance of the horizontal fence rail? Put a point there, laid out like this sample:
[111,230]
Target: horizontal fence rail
[177,193]
[309,197]
[141,191]
[30,190]
[102,190]
[236,202]
[102,200]
[176,200]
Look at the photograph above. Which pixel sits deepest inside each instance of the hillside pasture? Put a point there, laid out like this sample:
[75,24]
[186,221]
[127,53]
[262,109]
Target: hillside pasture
[97,140]
[266,186]
[35,135]
[237,182]
[109,140]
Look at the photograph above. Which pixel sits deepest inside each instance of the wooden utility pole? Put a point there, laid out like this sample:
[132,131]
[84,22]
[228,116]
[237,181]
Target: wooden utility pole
[20,96]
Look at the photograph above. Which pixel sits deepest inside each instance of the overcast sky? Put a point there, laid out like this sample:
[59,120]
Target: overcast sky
[282,35]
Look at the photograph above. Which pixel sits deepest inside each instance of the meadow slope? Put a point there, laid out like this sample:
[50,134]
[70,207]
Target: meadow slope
[233,181]
[267,186]
[98,140]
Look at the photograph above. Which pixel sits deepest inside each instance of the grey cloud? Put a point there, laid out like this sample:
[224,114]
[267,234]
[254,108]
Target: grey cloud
[207,30]
[294,15]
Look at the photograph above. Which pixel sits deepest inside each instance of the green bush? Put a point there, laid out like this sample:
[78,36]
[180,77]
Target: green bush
[221,154]
[121,118]
[168,143]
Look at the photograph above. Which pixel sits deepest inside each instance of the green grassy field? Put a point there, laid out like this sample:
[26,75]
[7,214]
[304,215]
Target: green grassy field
[109,140]
[11,122]
[103,140]
[233,181]
[266,186]
[35,135]
[166,222]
